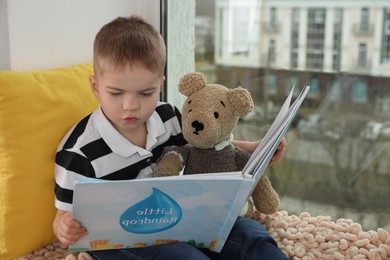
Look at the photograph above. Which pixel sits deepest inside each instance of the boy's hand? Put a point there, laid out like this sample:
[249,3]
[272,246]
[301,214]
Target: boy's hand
[67,230]
[279,154]
[251,147]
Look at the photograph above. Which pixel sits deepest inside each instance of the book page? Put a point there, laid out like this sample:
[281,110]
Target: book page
[268,145]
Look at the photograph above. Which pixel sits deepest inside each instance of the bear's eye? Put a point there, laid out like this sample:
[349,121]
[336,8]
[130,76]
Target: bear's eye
[216,115]
[189,111]
[189,102]
[223,104]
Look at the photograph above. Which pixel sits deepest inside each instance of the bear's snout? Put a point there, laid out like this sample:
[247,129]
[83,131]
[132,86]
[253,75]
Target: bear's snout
[198,126]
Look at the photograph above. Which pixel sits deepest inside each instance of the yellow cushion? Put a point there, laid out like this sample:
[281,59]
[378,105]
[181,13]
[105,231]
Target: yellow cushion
[36,110]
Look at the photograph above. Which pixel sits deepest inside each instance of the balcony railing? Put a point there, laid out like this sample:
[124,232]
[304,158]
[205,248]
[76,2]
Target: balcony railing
[360,29]
[271,27]
[362,65]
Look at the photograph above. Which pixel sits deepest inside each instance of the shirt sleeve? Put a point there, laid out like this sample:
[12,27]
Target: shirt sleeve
[69,165]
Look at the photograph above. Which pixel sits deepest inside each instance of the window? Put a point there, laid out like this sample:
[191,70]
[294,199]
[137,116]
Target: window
[338,170]
[314,88]
[319,15]
[365,20]
[362,55]
[337,36]
[385,47]
[241,25]
[359,92]
[271,84]
[273,17]
[295,15]
[386,27]
[315,39]
[272,51]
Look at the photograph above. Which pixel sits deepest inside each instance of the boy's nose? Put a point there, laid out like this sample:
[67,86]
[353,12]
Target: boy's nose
[130,104]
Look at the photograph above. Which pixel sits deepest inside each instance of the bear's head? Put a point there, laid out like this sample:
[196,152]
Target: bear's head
[211,111]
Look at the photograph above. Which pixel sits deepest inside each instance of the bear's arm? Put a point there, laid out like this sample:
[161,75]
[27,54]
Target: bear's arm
[172,162]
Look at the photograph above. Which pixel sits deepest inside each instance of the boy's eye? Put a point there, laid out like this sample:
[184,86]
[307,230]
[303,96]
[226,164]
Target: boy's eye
[146,94]
[114,94]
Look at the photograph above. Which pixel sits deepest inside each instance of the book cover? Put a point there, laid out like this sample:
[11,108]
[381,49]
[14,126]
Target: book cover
[199,209]
[120,214]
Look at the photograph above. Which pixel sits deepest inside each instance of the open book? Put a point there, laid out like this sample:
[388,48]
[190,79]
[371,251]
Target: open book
[199,209]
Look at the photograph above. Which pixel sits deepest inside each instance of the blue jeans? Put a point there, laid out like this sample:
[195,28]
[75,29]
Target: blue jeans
[247,240]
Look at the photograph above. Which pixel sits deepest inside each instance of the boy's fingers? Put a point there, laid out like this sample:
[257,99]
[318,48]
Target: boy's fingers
[71,236]
[75,231]
[84,233]
[282,144]
[279,153]
[70,222]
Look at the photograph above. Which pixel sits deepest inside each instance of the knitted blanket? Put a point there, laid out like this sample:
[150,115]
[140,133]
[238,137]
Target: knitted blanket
[299,237]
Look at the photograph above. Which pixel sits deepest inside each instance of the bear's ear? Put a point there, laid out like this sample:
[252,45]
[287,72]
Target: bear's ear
[241,101]
[191,83]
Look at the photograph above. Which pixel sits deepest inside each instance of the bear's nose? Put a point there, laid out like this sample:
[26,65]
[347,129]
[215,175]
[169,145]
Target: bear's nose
[198,126]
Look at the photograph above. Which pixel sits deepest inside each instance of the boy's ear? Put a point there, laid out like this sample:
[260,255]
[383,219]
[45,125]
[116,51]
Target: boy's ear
[94,86]
[162,83]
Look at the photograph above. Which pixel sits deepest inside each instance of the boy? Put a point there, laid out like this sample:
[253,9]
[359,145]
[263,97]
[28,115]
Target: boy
[126,135]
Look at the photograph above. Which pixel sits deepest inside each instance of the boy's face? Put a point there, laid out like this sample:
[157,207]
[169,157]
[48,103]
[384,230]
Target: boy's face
[128,97]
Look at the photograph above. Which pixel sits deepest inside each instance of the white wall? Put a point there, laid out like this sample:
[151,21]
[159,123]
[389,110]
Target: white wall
[181,45]
[43,34]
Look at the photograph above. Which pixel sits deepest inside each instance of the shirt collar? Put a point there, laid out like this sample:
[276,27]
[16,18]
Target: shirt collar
[156,128]
[119,144]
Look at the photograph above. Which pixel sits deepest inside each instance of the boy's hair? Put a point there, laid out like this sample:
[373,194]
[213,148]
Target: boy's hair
[128,41]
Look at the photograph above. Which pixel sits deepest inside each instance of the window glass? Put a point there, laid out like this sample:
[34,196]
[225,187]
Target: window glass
[272,83]
[272,51]
[385,46]
[362,55]
[314,88]
[359,92]
[338,147]
[364,21]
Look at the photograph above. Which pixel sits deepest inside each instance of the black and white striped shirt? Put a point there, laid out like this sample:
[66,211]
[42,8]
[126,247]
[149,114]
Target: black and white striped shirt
[94,148]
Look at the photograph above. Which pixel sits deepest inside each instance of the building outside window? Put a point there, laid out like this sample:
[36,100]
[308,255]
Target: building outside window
[338,170]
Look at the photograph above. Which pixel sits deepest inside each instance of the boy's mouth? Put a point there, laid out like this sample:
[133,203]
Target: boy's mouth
[130,119]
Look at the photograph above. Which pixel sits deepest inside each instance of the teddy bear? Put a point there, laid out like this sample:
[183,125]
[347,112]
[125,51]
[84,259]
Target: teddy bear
[209,115]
